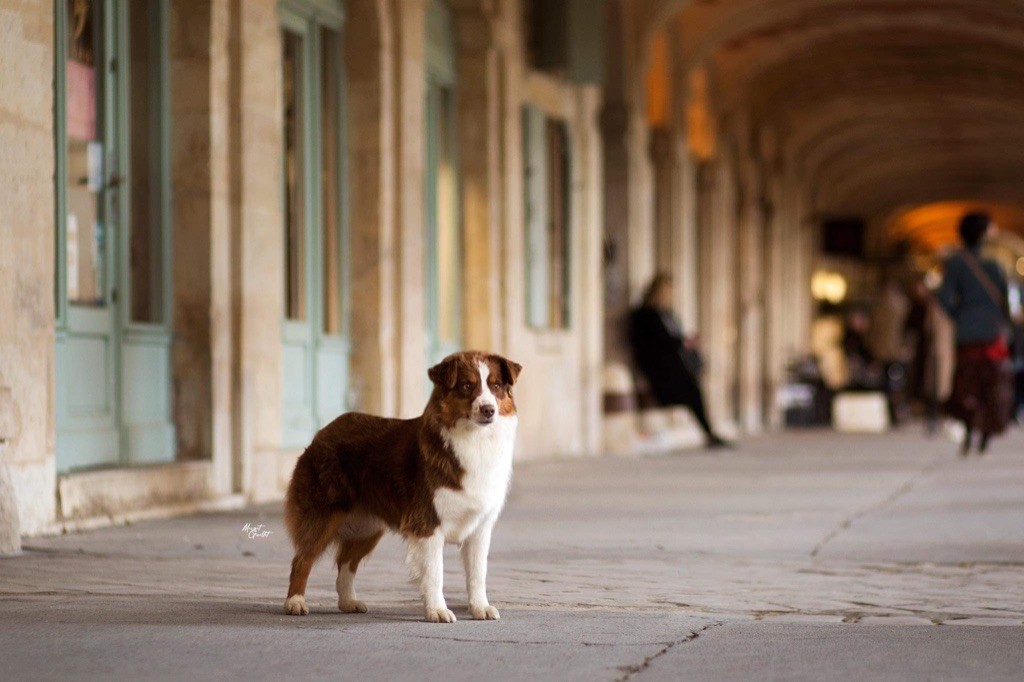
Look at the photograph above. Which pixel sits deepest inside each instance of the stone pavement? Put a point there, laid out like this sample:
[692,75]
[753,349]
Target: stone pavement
[795,556]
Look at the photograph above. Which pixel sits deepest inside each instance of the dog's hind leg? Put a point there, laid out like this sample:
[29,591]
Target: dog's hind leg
[311,538]
[350,552]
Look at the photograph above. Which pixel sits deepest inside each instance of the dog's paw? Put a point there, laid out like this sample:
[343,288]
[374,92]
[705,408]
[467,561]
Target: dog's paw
[485,612]
[352,606]
[440,616]
[295,605]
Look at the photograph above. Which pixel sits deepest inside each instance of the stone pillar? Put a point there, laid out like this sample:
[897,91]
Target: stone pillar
[409,109]
[370,74]
[200,66]
[10,519]
[257,283]
[705,180]
[751,296]
[774,273]
[786,270]
[27,421]
[588,256]
[688,277]
[665,232]
[642,221]
[479,63]
[805,242]
[718,326]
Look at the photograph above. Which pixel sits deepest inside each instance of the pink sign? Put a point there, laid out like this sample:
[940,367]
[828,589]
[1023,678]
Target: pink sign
[81,100]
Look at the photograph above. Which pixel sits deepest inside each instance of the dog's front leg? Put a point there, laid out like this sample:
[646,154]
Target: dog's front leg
[474,559]
[426,558]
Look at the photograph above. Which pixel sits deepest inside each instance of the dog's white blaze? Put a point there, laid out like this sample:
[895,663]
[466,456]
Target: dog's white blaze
[485,397]
[485,453]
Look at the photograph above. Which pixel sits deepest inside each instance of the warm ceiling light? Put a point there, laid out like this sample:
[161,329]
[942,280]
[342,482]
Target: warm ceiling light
[1020,266]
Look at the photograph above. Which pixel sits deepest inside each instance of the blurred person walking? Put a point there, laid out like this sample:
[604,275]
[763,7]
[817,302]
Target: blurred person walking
[669,360]
[974,293]
[934,342]
[887,343]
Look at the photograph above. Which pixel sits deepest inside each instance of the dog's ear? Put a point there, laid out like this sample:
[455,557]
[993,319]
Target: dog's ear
[445,373]
[509,370]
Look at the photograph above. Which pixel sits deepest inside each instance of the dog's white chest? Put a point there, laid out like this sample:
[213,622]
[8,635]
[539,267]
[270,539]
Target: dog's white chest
[486,458]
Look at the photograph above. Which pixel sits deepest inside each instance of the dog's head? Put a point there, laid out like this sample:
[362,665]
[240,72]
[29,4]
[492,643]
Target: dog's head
[474,386]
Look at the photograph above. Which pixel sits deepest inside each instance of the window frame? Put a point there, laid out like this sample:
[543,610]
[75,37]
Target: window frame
[309,335]
[534,115]
[114,23]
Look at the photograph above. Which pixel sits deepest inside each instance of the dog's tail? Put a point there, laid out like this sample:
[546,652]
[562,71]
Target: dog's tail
[295,497]
[316,492]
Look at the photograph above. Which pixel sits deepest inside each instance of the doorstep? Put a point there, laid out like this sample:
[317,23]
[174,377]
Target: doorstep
[105,497]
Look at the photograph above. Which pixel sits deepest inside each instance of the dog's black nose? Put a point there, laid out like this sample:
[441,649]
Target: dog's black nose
[487,411]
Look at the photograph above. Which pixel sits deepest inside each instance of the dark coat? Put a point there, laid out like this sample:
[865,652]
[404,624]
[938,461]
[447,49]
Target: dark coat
[657,342]
[978,318]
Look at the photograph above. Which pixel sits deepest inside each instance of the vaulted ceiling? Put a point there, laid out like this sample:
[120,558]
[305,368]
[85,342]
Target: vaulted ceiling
[884,104]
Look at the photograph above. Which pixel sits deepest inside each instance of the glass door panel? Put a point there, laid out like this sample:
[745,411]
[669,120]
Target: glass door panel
[84,107]
[112,187]
[330,180]
[294,87]
[142,190]
[444,234]
[297,354]
[145,143]
[441,188]
[315,354]
[86,355]
[331,370]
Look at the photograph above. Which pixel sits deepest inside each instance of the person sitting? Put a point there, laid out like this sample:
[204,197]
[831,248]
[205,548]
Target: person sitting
[666,358]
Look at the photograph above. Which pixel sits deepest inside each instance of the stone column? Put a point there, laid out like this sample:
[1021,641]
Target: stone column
[257,282]
[409,108]
[589,297]
[629,220]
[775,303]
[751,295]
[27,421]
[786,277]
[642,221]
[688,241]
[370,74]
[478,63]
[718,326]
[665,232]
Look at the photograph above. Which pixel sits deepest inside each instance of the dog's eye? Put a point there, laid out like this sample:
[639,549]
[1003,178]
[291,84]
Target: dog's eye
[466,386]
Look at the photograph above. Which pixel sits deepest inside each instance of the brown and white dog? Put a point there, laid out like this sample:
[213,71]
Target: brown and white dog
[441,477]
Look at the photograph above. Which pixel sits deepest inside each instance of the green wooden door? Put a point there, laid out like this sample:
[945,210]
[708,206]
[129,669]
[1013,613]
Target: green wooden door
[441,191]
[314,331]
[113,399]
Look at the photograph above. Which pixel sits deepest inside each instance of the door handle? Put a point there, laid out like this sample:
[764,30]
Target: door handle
[115,181]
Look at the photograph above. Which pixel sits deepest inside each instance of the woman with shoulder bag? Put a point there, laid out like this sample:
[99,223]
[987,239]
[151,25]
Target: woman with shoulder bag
[974,293]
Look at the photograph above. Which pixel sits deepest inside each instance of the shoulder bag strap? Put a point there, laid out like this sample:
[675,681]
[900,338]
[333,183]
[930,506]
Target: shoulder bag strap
[986,282]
